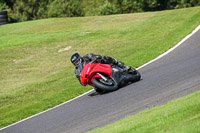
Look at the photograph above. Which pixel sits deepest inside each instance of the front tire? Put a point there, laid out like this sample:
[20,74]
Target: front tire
[111,85]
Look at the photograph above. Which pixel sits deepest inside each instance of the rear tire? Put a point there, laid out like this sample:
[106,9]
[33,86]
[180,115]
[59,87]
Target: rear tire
[3,17]
[3,20]
[3,13]
[135,76]
[97,82]
[2,23]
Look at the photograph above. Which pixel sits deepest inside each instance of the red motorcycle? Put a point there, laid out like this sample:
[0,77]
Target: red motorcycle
[106,77]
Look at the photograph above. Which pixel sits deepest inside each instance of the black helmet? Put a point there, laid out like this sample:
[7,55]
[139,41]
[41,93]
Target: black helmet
[76,59]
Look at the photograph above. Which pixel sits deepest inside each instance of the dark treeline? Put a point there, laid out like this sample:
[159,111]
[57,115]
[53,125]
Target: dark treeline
[23,10]
[131,6]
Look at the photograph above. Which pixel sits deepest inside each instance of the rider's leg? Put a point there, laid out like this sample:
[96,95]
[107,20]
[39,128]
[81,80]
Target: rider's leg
[125,67]
[110,60]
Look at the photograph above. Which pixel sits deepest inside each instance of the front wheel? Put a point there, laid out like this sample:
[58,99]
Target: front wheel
[109,85]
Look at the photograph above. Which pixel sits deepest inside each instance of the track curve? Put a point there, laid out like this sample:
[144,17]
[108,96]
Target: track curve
[174,75]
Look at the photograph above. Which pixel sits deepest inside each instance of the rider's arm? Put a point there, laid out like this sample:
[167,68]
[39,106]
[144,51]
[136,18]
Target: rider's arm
[90,57]
[77,74]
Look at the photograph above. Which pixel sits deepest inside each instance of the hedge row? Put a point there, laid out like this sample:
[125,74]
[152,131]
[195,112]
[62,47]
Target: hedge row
[23,10]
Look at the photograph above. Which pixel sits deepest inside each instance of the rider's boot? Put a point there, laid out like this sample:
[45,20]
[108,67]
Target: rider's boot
[120,64]
[131,70]
[125,67]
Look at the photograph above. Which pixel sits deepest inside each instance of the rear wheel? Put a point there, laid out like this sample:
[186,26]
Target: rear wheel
[3,20]
[135,76]
[2,23]
[3,13]
[3,17]
[109,85]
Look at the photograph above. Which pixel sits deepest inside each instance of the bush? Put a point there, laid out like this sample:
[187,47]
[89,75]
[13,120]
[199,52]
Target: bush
[23,10]
[3,6]
[65,8]
[129,6]
[108,9]
[175,4]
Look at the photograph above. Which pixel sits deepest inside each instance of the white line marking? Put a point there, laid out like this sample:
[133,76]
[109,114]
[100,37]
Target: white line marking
[167,52]
[170,50]
[46,110]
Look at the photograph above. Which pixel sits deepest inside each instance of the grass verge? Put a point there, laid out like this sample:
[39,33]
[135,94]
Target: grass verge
[178,116]
[35,76]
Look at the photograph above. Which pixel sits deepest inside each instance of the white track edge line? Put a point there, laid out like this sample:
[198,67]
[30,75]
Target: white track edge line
[160,56]
[45,110]
[171,49]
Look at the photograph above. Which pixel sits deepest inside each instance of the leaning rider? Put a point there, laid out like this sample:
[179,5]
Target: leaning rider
[76,59]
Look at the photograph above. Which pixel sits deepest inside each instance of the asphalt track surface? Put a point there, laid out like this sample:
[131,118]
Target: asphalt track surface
[172,76]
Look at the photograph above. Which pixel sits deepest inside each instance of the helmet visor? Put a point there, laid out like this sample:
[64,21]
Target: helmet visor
[77,62]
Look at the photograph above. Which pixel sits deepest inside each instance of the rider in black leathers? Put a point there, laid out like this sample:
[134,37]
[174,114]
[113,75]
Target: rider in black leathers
[76,59]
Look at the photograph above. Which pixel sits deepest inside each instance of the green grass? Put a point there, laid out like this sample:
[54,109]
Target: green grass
[178,116]
[35,76]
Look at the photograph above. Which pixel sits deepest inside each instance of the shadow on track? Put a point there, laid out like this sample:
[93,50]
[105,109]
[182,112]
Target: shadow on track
[106,92]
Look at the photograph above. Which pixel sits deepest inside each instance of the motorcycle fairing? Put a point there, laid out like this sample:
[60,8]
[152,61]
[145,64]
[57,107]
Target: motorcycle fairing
[90,71]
